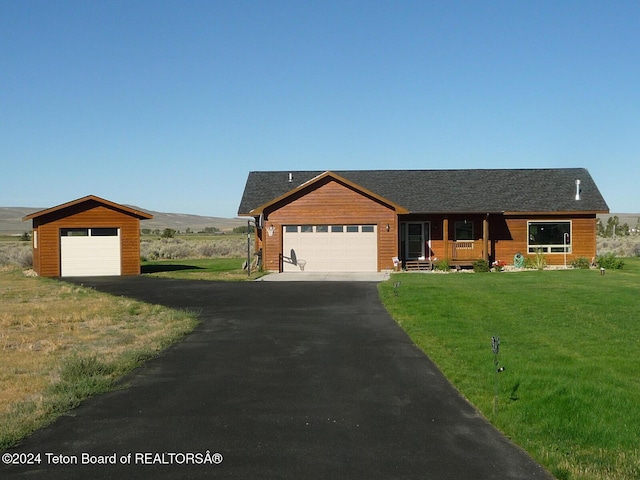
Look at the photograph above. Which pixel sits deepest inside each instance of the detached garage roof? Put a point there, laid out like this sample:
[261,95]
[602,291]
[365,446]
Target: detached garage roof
[444,191]
[92,199]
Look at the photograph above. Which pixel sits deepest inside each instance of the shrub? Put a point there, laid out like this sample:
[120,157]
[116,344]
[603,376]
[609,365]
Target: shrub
[16,254]
[481,266]
[538,262]
[610,261]
[621,246]
[443,266]
[177,248]
[581,262]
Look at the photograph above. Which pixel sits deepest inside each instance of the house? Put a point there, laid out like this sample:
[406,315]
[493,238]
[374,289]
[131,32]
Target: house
[373,220]
[87,237]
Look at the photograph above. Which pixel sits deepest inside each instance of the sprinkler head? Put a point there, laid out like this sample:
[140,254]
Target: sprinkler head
[501,369]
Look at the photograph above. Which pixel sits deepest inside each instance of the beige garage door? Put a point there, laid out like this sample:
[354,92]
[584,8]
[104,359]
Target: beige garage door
[330,248]
[89,252]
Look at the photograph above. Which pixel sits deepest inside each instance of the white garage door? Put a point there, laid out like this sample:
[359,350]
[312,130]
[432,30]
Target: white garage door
[89,251]
[330,248]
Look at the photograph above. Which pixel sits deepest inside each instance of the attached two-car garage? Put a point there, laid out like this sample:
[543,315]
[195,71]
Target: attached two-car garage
[330,248]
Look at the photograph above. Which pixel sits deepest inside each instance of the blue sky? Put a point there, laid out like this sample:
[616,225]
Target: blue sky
[168,105]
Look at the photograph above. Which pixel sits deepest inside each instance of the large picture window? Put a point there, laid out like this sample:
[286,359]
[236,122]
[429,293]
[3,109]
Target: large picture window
[549,237]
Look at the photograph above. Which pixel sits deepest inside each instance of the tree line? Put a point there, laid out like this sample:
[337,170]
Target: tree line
[614,229]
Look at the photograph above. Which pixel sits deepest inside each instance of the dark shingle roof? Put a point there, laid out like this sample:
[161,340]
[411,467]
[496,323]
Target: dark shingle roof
[449,191]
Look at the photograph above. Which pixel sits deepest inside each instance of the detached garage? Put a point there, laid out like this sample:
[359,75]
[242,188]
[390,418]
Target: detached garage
[89,236]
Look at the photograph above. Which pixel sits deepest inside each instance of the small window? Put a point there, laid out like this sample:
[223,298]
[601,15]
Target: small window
[322,228]
[306,228]
[104,232]
[291,228]
[367,229]
[352,229]
[337,228]
[74,232]
[464,230]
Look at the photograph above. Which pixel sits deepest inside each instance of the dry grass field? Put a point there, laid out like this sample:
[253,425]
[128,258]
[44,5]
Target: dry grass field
[60,343]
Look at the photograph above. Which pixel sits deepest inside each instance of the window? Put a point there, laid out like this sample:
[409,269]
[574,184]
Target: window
[367,229]
[291,228]
[337,228]
[74,232]
[104,232]
[322,228]
[549,237]
[464,230]
[306,228]
[352,228]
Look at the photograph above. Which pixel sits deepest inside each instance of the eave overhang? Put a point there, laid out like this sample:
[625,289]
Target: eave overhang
[559,212]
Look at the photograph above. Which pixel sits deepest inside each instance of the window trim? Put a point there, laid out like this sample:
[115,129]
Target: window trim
[550,248]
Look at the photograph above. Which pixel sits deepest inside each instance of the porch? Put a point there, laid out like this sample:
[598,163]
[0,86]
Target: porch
[460,240]
[463,253]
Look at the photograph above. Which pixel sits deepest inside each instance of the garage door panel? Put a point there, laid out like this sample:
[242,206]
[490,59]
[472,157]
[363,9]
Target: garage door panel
[90,256]
[331,251]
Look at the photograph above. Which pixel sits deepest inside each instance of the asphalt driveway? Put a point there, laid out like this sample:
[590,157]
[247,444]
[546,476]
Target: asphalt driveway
[284,380]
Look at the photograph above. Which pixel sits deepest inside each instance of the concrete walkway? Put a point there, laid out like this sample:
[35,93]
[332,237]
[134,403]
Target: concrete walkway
[282,380]
[325,277]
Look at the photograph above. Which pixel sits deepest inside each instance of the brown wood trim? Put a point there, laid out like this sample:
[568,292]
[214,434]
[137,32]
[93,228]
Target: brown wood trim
[122,208]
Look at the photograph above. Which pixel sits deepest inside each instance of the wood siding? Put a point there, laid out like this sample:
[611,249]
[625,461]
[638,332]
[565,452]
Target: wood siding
[46,259]
[329,202]
[583,241]
[508,235]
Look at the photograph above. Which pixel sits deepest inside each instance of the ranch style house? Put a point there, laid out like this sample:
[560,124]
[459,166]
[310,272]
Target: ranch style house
[375,220]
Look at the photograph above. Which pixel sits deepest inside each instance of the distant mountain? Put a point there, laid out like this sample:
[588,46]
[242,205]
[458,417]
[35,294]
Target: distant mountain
[182,221]
[11,221]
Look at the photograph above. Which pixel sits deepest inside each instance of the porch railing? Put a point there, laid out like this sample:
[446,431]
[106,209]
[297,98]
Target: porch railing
[466,250]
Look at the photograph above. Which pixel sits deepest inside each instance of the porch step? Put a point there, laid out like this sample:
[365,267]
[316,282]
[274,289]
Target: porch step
[414,265]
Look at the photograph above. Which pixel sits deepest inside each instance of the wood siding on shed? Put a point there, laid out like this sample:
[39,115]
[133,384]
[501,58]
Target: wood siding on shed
[329,202]
[86,215]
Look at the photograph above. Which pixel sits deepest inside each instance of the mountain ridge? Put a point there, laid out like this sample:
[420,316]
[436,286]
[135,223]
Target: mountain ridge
[11,221]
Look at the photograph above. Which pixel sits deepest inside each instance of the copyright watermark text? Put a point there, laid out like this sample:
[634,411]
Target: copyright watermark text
[130,458]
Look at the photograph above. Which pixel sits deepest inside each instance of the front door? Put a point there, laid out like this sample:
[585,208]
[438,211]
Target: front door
[416,240]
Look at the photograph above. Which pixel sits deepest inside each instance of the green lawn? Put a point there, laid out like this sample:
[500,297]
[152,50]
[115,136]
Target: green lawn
[229,269]
[570,345]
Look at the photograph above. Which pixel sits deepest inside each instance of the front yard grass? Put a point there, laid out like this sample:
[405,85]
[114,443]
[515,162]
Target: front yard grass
[226,269]
[61,343]
[570,345]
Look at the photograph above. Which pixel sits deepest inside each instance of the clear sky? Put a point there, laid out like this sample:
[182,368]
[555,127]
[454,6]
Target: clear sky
[167,105]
